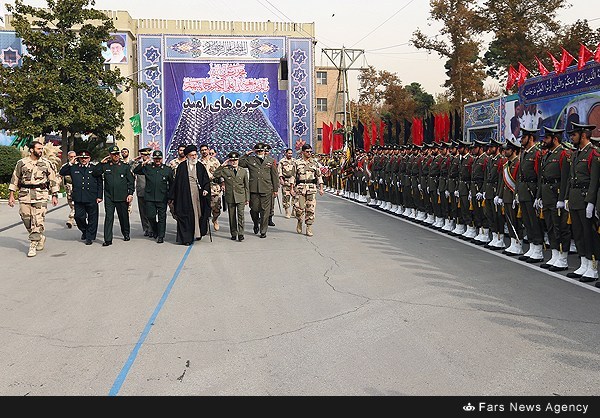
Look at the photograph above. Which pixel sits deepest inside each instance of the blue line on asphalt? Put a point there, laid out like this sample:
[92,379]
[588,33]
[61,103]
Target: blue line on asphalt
[125,370]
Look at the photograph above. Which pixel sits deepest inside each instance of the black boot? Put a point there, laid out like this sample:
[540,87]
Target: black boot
[271,223]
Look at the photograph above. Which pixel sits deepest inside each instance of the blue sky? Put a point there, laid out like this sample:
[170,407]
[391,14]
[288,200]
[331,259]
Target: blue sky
[382,28]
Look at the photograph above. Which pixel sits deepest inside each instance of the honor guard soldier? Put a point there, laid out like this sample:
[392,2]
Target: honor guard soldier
[493,213]
[33,179]
[87,193]
[507,186]
[581,195]
[463,193]
[477,191]
[119,186]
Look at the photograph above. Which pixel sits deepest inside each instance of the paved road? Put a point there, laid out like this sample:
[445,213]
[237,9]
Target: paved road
[371,305]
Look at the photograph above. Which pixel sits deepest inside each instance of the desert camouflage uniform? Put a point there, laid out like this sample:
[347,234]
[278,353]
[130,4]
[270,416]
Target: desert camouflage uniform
[69,190]
[215,188]
[308,180]
[34,181]
[286,169]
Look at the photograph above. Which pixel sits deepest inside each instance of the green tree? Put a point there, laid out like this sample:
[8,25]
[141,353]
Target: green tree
[521,30]
[424,101]
[460,45]
[62,85]
[571,36]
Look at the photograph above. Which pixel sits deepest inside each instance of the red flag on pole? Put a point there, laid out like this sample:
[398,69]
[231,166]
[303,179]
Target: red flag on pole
[381,132]
[555,62]
[597,54]
[541,68]
[326,139]
[447,128]
[366,139]
[565,60]
[373,133]
[338,138]
[523,71]
[584,56]
[512,77]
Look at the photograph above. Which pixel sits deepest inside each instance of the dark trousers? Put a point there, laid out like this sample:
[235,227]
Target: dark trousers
[236,218]
[157,218]
[532,223]
[109,218]
[515,228]
[586,238]
[466,214]
[260,207]
[559,232]
[86,218]
[143,214]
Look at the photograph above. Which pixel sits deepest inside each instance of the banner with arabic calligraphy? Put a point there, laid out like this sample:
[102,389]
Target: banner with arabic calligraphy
[552,86]
[229,106]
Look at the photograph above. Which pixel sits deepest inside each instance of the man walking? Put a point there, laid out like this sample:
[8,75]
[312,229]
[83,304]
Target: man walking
[140,186]
[287,175]
[308,180]
[211,163]
[33,178]
[67,182]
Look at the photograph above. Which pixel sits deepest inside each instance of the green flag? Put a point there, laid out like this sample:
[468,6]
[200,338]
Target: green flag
[136,124]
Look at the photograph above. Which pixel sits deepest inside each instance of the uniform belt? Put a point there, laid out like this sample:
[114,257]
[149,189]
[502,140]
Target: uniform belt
[576,185]
[531,180]
[314,181]
[43,186]
[550,181]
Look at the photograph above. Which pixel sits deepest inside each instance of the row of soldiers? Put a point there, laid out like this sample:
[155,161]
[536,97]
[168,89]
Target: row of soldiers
[544,192]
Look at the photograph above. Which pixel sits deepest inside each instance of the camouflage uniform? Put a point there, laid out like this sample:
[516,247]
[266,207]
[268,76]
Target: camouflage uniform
[308,181]
[215,188]
[286,169]
[69,190]
[34,180]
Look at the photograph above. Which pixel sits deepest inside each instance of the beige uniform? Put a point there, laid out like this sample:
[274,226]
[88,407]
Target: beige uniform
[308,180]
[66,180]
[34,181]
[286,169]
[215,188]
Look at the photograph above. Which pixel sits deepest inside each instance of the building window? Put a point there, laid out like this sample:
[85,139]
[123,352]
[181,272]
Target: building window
[319,134]
[321,105]
[321,77]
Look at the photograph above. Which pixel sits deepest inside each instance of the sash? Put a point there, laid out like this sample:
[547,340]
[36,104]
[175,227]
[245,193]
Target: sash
[509,178]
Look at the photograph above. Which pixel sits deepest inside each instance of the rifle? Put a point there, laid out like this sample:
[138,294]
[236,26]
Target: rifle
[278,203]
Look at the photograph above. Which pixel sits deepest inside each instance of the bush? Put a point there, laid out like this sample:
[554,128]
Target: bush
[4,191]
[8,159]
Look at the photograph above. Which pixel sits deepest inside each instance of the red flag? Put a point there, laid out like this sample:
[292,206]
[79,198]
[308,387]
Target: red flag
[381,132]
[338,138]
[555,63]
[597,54]
[523,71]
[584,56]
[373,133]
[446,128]
[512,77]
[565,60]
[541,68]
[366,139]
[326,139]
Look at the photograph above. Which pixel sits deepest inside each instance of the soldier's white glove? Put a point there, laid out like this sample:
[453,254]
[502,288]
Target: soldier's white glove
[398,184]
[470,197]
[498,201]
[380,181]
[447,193]
[589,210]
[479,196]
[515,203]
[567,205]
[537,203]
[438,192]
[456,193]
[419,187]
[560,204]
[428,189]
[517,198]
[483,195]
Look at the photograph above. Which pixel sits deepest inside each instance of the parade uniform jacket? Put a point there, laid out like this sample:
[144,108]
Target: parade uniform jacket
[435,169]
[453,170]
[527,179]
[584,177]
[86,187]
[493,169]
[237,187]
[157,180]
[464,174]
[478,174]
[118,180]
[507,182]
[444,170]
[263,173]
[554,176]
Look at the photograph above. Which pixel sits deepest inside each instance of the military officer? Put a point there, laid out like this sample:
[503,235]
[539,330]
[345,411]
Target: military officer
[211,163]
[140,186]
[493,213]
[66,180]
[308,181]
[582,192]
[268,149]
[237,193]
[507,186]
[480,162]
[33,178]
[119,186]
[158,179]
[264,183]
[87,194]
[456,226]
[463,192]
[287,175]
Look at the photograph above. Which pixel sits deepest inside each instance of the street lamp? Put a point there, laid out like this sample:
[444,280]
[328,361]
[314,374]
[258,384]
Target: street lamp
[152,67]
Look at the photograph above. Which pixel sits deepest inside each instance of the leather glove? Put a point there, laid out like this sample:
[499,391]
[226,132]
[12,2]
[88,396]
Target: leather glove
[537,203]
[560,204]
[447,193]
[479,196]
[589,210]
[456,194]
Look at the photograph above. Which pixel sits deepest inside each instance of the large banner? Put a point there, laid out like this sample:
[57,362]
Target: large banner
[228,106]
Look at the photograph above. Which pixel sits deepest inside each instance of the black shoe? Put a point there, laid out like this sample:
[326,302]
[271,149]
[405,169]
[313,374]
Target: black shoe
[198,239]
[271,223]
[524,257]
[83,236]
[256,229]
[574,275]
[152,235]
[69,225]
[233,238]
[554,268]
[88,242]
[146,233]
[126,238]
[106,243]
[597,284]
[240,238]
[534,260]
[584,279]
[187,244]
[546,266]
[160,240]
[263,235]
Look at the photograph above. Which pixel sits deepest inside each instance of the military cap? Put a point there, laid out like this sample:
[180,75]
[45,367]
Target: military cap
[267,147]
[496,142]
[157,154]
[464,143]
[84,154]
[595,139]
[114,150]
[526,131]
[512,143]
[480,142]
[190,148]
[233,155]
[145,151]
[569,145]
[259,146]
[578,127]
[552,131]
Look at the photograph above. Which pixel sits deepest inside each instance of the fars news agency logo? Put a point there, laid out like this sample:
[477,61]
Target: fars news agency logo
[468,407]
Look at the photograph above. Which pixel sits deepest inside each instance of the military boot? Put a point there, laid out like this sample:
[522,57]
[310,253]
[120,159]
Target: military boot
[41,243]
[288,213]
[271,223]
[309,232]
[32,249]
[299,226]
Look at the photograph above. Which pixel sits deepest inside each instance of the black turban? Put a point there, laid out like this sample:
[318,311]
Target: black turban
[190,148]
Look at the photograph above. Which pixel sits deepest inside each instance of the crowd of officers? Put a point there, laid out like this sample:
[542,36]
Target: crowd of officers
[544,192]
